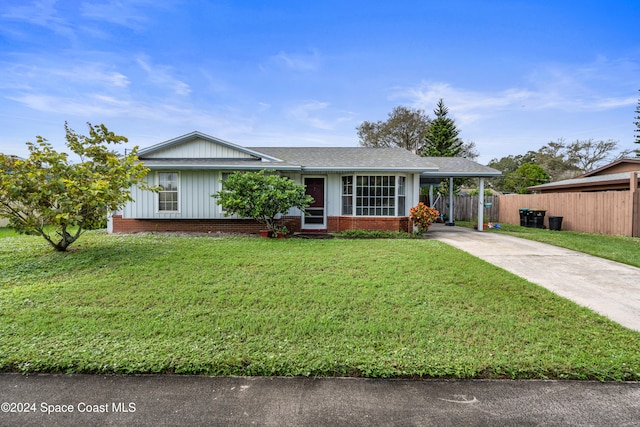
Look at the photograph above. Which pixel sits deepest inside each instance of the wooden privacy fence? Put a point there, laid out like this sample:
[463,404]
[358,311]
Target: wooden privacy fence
[466,207]
[604,212]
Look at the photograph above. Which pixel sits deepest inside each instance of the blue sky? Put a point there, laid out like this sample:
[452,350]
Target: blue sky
[514,74]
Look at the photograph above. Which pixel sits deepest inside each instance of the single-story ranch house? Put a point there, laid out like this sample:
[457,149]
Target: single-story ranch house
[353,187]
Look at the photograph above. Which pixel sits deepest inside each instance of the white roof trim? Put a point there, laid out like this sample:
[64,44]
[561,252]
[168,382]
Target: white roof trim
[199,135]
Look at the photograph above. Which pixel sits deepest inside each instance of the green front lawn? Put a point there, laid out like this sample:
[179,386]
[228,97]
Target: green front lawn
[7,232]
[247,306]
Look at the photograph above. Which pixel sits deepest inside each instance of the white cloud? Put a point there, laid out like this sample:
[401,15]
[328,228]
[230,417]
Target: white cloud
[465,105]
[88,106]
[132,14]
[38,12]
[298,62]
[93,74]
[97,107]
[585,87]
[42,13]
[162,75]
[318,115]
[29,75]
[590,87]
[114,12]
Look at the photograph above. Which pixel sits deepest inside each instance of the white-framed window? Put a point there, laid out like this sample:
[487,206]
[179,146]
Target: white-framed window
[402,185]
[347,195]
[168,195]
[373,195]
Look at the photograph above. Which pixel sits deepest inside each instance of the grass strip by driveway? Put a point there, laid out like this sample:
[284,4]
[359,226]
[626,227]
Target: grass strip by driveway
[247,306]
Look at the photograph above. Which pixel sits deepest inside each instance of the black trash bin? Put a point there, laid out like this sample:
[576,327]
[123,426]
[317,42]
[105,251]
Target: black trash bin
[555,223]
[536,218]
[524,217]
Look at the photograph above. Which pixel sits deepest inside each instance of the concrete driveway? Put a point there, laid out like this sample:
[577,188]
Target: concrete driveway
[609,288]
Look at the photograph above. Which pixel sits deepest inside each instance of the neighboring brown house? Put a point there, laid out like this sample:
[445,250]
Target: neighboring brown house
[615,176]
[605,200]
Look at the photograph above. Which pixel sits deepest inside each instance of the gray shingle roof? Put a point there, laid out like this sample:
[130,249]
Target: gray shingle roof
[350,158]
[318,159]
[458,166]
[589,180]
[220,164]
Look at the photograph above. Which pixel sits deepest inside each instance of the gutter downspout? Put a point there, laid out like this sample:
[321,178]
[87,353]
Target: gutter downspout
[481,205]
[451,219]
[634,196]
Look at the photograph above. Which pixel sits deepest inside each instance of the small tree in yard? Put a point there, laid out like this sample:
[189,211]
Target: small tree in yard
[48,195]
[526,175]
[261,196]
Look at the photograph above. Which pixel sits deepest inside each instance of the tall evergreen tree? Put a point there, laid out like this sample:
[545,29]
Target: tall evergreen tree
[442,139]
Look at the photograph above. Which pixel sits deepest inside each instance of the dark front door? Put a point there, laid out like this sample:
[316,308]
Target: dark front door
[315,218]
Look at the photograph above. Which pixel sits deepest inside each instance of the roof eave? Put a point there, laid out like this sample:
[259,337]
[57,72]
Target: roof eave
[361,169]
[196,134]
[462,174]
[256,167]
[609,166]
[594,184]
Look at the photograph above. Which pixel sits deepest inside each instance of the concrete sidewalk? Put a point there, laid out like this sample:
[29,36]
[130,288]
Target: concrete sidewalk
[173,400]
[609,288]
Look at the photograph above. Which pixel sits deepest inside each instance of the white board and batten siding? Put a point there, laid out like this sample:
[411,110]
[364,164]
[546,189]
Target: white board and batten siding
[194,197]
[198,149]
[197,186]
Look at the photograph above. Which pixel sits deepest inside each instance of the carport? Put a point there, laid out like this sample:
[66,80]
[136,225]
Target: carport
[450,168]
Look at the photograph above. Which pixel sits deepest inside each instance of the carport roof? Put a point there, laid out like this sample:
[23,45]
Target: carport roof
[459,167]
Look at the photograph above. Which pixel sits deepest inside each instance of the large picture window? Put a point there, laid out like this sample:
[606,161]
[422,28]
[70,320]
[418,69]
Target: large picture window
[168,194]
[373,195]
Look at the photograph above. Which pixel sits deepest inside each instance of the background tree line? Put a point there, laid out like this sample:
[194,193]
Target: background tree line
[558,160]
[415,131]
[554,161]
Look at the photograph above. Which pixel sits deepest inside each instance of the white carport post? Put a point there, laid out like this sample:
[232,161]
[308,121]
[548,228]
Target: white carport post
[451,219]
[481,205]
